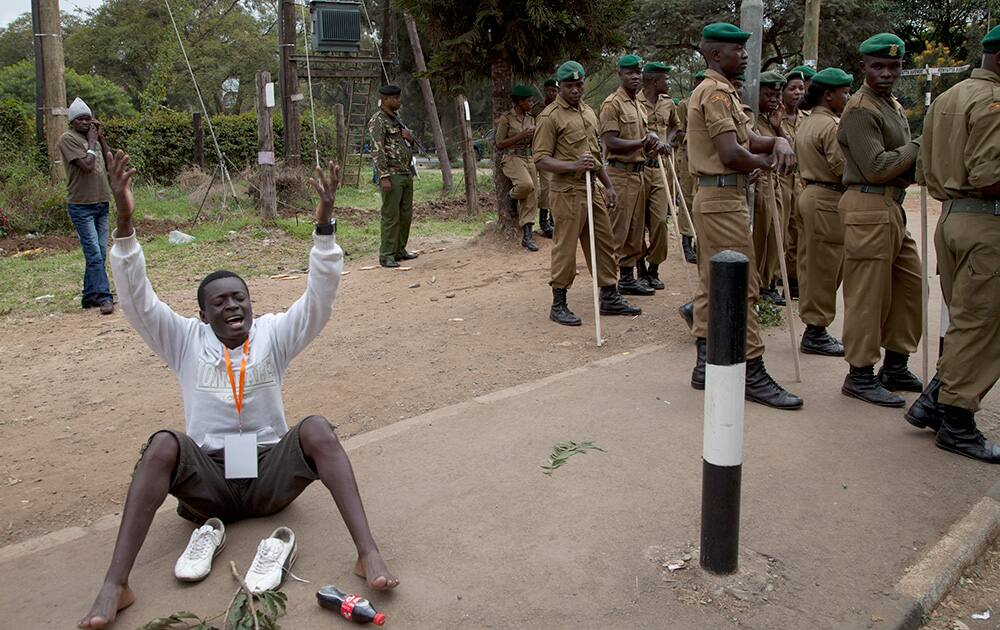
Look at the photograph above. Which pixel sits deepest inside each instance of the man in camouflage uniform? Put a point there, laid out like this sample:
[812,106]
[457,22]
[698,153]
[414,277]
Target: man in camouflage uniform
[392,151]
[544,216]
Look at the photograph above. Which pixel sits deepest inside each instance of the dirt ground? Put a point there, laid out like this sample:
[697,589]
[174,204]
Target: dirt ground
[82,392]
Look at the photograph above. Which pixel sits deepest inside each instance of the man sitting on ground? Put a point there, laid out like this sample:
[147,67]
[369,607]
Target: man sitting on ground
[192,465]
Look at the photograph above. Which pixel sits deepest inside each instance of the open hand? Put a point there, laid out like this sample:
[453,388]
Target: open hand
[120,180]
[326,186]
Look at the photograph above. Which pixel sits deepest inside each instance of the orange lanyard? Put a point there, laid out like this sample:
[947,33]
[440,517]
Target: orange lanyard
[238,398]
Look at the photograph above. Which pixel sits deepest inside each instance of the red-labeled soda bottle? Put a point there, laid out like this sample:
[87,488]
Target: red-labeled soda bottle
[351,607]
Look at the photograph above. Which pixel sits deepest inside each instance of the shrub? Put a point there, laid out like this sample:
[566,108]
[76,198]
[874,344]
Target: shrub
[30,201]
[107,100]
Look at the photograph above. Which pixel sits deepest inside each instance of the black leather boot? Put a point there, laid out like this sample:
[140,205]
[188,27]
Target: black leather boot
[527,241]
[958,434]
[653,277]
[816,340]
[922,413]
[560,312]
[612,303]
[690,253]
[862,384]
[545,222]
[771,294]
[687,312]
[761,388]
[698,373]
[628,285]
[895,376]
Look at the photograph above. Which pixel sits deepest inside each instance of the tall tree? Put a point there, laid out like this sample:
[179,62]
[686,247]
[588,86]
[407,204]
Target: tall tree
[497,39]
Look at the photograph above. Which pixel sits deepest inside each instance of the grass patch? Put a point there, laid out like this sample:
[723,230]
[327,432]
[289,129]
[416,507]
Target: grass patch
[426,187]
[768,314]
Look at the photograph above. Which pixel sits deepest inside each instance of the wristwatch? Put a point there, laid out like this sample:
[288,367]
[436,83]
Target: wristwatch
[327,228]
[92,152]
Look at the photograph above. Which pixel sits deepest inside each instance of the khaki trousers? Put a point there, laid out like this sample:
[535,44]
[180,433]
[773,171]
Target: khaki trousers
[543,188]
[722,218]
[522,178]
[968,255]
[628,217]
[569,209]
[790,189]
[655,217]
[765,242]
[687,190]
[881,279]
[820,255]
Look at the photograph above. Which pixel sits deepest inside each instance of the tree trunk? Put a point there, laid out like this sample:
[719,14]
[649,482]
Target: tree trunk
[501,79]
[429,105]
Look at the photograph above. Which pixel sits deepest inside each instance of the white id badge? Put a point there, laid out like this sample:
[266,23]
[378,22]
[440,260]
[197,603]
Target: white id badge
[240,452]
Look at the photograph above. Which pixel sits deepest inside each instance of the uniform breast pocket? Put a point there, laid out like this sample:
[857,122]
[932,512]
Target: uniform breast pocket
[629,125]
[866,235]
[982,283]
[577,140]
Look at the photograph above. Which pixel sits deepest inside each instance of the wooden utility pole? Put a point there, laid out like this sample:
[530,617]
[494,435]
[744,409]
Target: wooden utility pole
[468,155]
[265,144]
[752,21]
[39,76]
[54,104]
[429,105]
[810,33]
[289,79]
[199,139]
[387,29]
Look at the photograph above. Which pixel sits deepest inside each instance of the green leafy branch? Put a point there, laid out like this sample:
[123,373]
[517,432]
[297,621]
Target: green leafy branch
[564,450]
[246,611]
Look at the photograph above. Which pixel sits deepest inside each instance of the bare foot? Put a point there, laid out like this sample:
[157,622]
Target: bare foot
[110,600]
[373,569]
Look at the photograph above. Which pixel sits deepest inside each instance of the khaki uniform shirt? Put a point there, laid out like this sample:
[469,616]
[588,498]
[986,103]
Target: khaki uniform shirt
[816,147]
[392,154]
[510,124]
[83,187]
[565,133]
[714,109]
[960,152]
[622,114]
[875,140]
[660,117]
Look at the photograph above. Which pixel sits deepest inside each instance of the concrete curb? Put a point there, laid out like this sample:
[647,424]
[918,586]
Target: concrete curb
[926,583]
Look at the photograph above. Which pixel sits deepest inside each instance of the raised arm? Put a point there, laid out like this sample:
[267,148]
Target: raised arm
[163,330]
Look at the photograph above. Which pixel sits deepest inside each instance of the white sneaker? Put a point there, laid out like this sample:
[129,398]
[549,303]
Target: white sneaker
[274,558]
[206,543]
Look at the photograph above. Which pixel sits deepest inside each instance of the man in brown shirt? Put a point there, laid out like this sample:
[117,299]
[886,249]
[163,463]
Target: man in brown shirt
[626,138]
[767,202]
[83,148]
[513,139]
[960,164]
[566,146]
[544,216]
[790,186]
[722,150]
[882,291]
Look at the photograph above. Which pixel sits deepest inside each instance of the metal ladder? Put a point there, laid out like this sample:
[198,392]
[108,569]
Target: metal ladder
[358,115]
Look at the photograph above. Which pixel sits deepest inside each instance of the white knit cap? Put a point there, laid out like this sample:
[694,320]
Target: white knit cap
[79,108]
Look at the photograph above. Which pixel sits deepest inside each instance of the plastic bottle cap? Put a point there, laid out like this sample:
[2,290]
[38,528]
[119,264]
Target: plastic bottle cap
[379,619]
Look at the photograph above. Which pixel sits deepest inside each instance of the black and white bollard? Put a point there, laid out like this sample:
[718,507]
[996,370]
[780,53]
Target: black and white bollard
[725,383]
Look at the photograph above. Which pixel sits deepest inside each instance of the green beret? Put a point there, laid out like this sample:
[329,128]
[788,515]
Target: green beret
[522,91]
[991,43]
[656,66]
[885,45]
[832,77]
[551,82]
[389,90]
[723,32]
[771,79]
[629,61]
[570,71]
[803,73]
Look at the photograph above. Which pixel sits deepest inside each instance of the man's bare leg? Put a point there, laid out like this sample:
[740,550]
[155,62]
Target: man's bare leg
[146,493]
[321,445]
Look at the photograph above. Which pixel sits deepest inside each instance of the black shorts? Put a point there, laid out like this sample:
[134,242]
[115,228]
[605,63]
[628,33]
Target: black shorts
[203,492]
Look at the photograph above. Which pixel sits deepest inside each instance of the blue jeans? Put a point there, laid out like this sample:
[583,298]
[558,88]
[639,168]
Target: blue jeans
[91,222]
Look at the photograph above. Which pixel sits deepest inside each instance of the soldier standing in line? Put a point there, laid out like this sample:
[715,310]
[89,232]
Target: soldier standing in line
[392,152]
[515,129]
[960,164]
[821,240]
[544,216]
[661,114]
[790,186]
[684,175]
[882,293]
[566,146]
[722,150]
[807,73]
[767,202]
[626,138]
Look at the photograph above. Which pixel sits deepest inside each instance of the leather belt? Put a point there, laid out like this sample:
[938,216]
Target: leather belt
[977,206]
[828,185]
[523,152]
[632,167]
[893,192]
[722,181]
